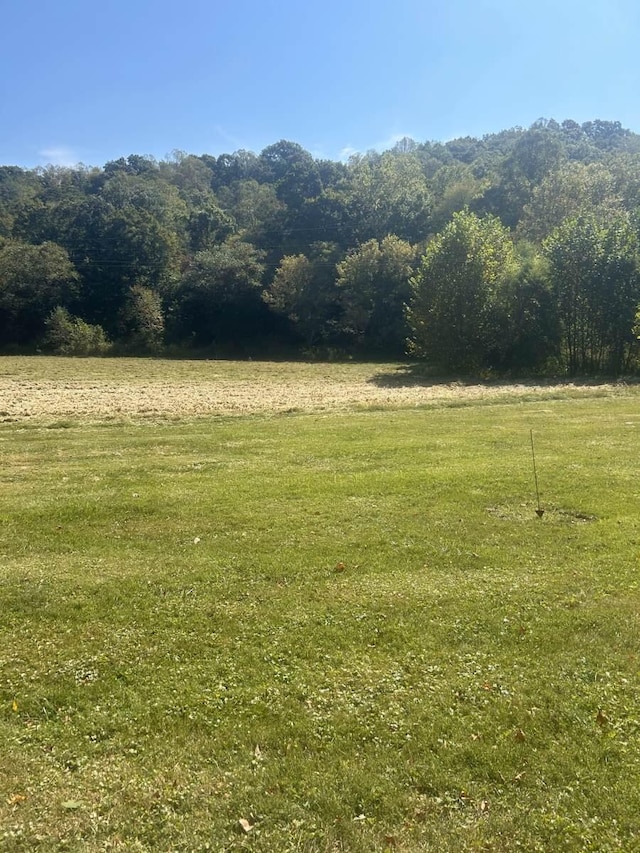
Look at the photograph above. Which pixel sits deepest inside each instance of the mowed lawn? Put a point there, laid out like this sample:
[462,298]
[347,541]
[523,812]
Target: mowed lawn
[327,630]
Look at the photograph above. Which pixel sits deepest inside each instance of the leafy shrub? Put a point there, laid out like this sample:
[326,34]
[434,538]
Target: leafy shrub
[69,335]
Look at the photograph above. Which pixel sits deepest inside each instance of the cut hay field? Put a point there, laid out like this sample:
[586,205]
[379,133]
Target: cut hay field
[101,388]
[304,607]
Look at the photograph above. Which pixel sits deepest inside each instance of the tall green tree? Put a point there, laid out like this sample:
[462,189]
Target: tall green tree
[33,280]
[526,328]
[218,301]
[569,191]
[389,194]
[292,171]
[621,286]
[259,214]
[292,294]
[142,323]
[596,285]
[456,289]
[304,291]
[574,252]
[19,189]
[374,282]
[454,188]
[535,153]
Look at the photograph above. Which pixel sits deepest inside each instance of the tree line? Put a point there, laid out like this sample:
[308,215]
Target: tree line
[517,253]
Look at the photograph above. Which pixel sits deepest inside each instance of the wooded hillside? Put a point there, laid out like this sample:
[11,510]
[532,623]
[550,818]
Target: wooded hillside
[517,252]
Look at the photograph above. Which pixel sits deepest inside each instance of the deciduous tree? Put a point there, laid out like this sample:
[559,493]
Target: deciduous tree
[374,284]
[219,297]
[455,290]
[596,286]
[33,280]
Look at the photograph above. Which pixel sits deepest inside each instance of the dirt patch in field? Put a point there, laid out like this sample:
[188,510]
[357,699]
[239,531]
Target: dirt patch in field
[229,389]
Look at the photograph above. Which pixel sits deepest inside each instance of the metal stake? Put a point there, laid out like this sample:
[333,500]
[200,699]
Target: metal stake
[539,511]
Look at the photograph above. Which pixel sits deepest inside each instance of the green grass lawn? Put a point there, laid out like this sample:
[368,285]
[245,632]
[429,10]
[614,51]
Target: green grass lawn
[323,632]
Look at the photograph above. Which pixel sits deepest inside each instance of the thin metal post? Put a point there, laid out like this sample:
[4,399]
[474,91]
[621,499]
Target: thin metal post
[539,511]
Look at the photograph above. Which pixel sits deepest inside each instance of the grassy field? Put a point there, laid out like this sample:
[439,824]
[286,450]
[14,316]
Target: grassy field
[331,624]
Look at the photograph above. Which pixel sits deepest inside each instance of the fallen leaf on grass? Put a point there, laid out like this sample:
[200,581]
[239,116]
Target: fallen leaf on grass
[72,805]
[602,718]
[340,567]
[520,736]
[14,706]
[245,826]
[15,799]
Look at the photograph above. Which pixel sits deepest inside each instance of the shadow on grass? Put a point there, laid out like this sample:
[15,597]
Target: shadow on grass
[421,375]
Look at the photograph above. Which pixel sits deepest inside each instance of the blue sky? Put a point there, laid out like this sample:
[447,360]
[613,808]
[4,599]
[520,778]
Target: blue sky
[82,81]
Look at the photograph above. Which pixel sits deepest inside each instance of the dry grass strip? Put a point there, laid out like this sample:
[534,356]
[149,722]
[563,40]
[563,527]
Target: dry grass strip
[40,387]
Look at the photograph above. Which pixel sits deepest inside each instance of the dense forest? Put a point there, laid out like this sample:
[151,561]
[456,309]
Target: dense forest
[516,253]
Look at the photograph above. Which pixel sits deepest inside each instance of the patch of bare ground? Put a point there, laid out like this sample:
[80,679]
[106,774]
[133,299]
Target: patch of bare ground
[39,387]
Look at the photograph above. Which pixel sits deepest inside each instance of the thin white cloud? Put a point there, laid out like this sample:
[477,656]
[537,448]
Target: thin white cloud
[317,151]
[229,138]
[59,156]
[390,141]
[346,152]
[382,145]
